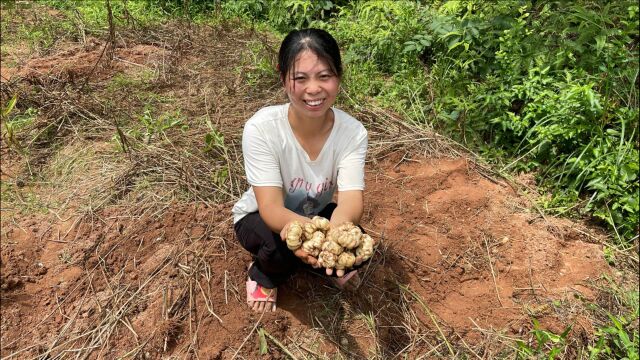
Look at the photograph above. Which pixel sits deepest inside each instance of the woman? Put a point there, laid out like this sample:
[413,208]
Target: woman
[296,155]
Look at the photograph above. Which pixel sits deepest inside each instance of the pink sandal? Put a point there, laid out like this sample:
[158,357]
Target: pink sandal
[255,292]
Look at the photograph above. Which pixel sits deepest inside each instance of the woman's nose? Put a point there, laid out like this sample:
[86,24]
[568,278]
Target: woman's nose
[313,88]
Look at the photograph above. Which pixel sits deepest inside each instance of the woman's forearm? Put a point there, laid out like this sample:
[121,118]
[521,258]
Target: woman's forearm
[350,208]
[277,216]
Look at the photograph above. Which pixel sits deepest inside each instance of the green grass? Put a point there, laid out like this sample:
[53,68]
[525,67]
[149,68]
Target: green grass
[618,335]
[38,29]
[21,200]
[94,13]
[133,83]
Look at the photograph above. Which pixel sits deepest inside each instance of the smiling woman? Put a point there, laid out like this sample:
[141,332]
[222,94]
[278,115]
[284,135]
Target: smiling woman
[313,87]
[296,156]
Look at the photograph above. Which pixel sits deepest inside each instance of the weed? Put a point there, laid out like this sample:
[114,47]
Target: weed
[127,82]
[220,176]
[214,140]
[369,320]
[618,337]
[617,340]
[150,127]
[259,65]
[545,342]
[65,257]
[609,255]
[214,144]
[8,131]
[13,125]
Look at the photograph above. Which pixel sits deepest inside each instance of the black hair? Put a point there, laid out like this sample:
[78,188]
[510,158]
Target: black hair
[318,41]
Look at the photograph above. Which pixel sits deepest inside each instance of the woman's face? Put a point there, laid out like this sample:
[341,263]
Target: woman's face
[311,86]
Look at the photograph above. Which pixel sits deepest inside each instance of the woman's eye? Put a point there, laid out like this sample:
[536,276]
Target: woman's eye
[298,78]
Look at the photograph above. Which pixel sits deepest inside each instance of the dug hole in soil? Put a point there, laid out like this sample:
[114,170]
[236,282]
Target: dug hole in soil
[462,256]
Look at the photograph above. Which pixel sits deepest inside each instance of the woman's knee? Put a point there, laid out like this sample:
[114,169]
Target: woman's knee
[277,259]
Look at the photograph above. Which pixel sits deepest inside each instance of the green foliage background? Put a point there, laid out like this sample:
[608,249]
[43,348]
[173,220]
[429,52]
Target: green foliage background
[549,87]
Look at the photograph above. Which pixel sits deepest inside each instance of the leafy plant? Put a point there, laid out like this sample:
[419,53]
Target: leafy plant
[214,143]
[616,340]
[281,15]
[149,127]
[93,14]
[214,140]
[13,124]
[158,125]
[546,342]
[8,128]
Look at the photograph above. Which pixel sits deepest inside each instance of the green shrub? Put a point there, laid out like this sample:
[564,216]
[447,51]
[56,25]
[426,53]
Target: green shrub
[555,86]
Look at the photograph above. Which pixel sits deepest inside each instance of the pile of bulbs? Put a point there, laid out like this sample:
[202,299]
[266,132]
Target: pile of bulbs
[335,248]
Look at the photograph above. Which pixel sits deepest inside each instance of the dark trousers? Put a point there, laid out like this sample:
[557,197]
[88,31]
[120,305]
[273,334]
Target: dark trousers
[273,262]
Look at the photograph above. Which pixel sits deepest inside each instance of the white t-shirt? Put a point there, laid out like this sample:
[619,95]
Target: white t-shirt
[273,157]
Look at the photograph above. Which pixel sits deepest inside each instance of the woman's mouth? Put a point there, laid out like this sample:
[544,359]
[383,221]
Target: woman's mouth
[314,103]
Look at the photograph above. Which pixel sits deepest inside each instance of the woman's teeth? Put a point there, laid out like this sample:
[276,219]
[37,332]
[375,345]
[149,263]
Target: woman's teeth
[314,102]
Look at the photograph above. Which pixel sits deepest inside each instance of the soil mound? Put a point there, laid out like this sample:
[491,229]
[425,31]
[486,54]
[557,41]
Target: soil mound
[80,61]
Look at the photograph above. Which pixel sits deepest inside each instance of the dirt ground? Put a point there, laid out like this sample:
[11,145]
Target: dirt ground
[465,261]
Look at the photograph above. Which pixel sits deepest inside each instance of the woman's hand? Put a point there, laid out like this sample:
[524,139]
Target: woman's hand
[340,273]
[306,258]
[285,229]
[300,253]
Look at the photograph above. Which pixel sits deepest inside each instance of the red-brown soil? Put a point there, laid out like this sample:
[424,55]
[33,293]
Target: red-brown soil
[81,60]
[442,227]
[462,257]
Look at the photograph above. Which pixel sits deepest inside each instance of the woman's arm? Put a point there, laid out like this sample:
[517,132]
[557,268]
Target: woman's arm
[350,207]
[271,208]
[278,218]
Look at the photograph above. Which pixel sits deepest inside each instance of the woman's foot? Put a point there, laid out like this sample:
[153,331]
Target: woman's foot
[260,298]
[349,281]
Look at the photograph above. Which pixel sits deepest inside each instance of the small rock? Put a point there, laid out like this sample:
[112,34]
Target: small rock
[344,341]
